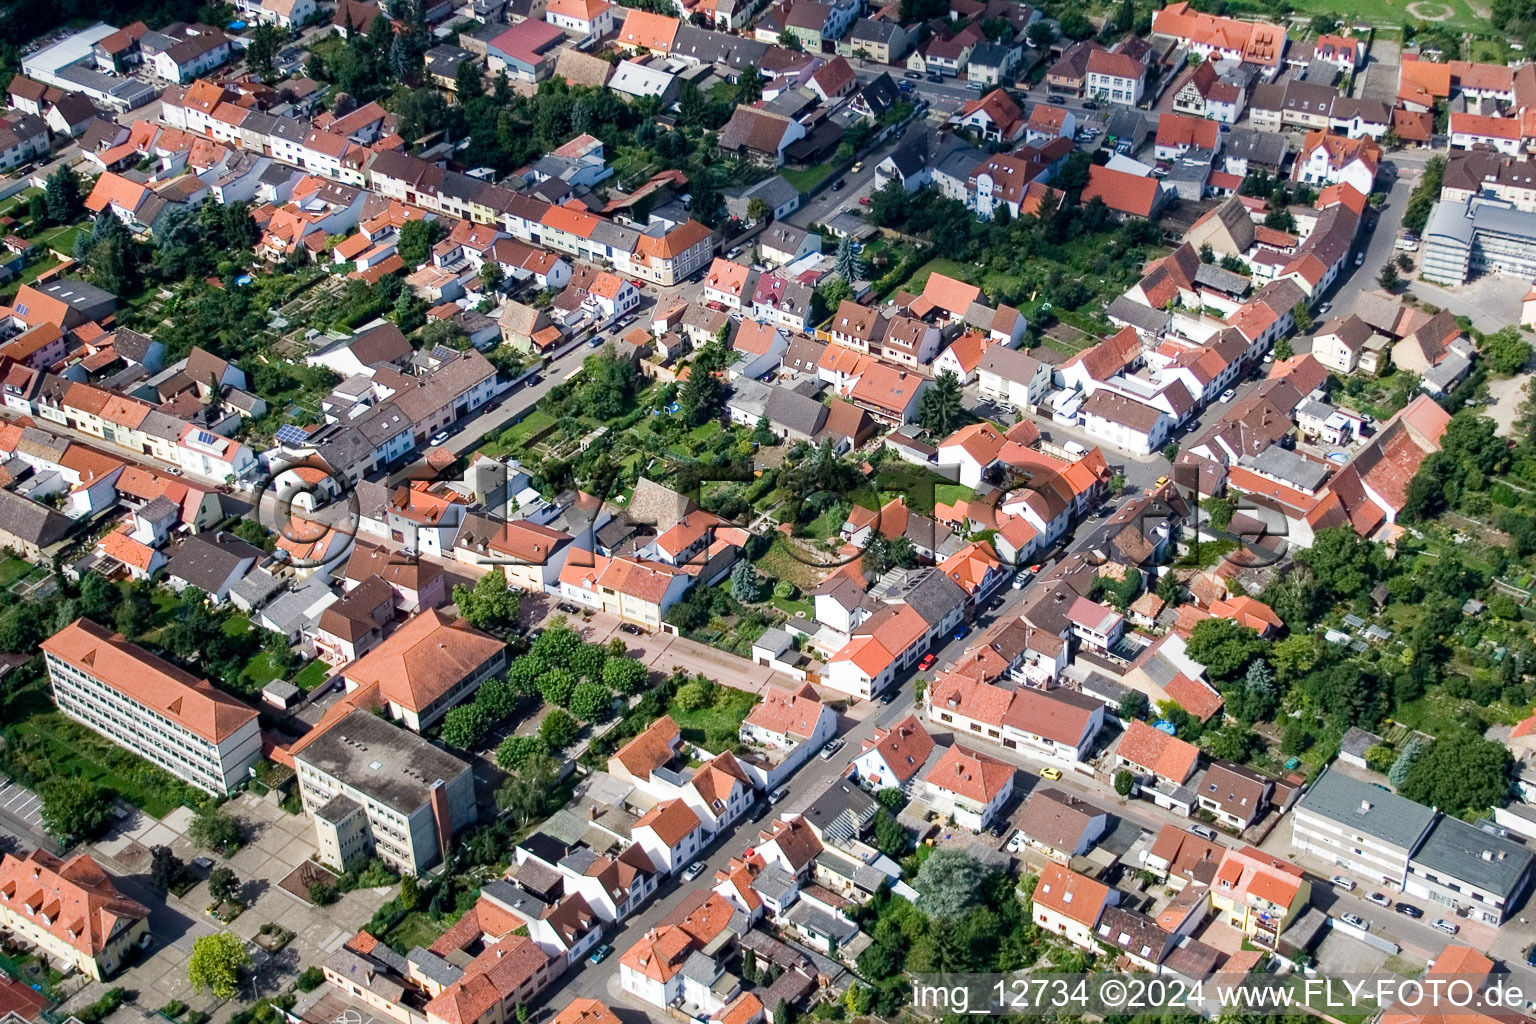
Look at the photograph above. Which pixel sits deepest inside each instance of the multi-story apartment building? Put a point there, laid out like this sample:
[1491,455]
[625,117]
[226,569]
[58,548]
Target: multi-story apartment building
[1465,869]
[153,708]
[373,788]
[1356,826]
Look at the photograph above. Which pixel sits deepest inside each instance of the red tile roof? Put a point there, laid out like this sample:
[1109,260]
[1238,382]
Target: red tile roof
[73,900]
[152,682]
[1164,755]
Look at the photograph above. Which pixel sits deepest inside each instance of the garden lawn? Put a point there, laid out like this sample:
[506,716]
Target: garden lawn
[951,493]
[1453,14]
[723,716]
[1438,713]
[795,609]
[13,569]
[258,672]
[780,563]
[16,204]
[74,750]
[828,523]
[311,675]
[417,929]
[809,178]
[59,239]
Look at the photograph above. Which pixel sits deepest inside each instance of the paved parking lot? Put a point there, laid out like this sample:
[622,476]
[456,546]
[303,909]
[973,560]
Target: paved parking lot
[21,805]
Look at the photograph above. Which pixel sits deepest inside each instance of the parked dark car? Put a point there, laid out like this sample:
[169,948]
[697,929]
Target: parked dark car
[1409,910]
[632,629]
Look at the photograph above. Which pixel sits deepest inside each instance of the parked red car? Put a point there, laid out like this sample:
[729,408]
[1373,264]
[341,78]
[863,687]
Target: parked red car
[927,662]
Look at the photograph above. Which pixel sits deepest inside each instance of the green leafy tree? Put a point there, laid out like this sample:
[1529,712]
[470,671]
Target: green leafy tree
[215,829]
[606,384]
[1344,565]
[591,702]
[556,686]
[1283,349]
[1425,194]
[758,209]
[223,884]
[464,725]
[703,393]
[1232,742]
[940,410]
[858,999]
[74,809]
[1506,351]
[515,751]
[468,81]
[1124,782]
[1389,278]
[1302,315]
[625,675]
[497,699]
[1132,706]
[410,893]
[216,963]
[417,237]
[1461,772]
[559,729]
[491,603]
[1224,647]
[696,694]
[891,838]
[1221,510]
[1075,24]
[526,794]
[1378,757]
[951,883]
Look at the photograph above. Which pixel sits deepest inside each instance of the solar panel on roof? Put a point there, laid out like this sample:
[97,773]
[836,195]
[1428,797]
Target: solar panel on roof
[290,434]
[203,437]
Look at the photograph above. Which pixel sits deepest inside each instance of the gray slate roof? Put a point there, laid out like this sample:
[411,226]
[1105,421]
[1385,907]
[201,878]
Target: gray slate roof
[1461,851]
[1361,807]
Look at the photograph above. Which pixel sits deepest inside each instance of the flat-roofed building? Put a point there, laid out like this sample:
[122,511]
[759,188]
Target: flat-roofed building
[374,788]
[1358,827]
